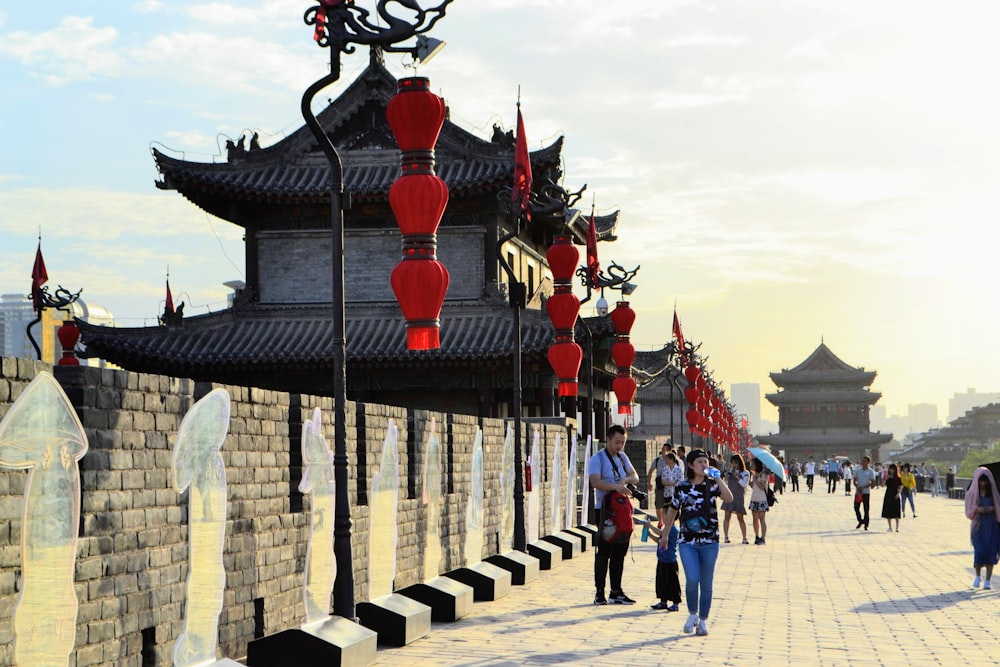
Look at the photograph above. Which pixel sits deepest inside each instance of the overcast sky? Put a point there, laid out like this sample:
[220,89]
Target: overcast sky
[787,172]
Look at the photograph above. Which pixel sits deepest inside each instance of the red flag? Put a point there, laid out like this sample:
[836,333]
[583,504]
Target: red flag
[39,276]
[168,308]
[678,334]
[593,265]
[521,195]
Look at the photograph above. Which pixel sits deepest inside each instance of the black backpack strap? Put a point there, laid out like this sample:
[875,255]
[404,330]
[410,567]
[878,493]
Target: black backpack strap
[614,466]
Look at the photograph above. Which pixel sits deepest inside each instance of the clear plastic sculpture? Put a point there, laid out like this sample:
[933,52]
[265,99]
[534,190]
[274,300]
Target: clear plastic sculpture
[318,481]
[41,433]
[382,526]
[474,510]
[432,502]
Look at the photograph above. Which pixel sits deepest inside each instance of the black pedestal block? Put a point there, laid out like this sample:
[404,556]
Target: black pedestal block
[592,530]
[332,641]
[522,567]
[549,555]
[570,544]
[448,599]
[397,619]
[488,581]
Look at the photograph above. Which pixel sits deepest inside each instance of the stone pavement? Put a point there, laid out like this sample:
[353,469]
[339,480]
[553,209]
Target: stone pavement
[819,593]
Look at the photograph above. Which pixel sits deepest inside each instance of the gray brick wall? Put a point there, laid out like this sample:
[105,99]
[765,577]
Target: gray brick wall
[132,555]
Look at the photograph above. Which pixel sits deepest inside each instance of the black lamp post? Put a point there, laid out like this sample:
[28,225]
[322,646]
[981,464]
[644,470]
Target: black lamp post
[339,25]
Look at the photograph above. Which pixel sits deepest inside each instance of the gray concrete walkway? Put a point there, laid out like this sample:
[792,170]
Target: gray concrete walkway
[819,593]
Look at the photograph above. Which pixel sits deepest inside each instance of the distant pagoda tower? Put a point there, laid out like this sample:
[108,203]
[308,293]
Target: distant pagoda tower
[823,410]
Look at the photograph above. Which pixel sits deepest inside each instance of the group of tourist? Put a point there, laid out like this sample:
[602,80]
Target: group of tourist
[685,487]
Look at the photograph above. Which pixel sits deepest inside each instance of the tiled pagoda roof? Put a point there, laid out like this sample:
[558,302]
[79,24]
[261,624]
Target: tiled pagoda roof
[823,367]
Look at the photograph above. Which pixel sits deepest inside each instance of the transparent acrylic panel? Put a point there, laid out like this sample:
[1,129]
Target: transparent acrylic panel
[507,488]
[432,502]
[41,433]
[557,486]
[383,535]
[474,510]
[318,482]
[571,478]
[198,468]
[535,497]
[585,493]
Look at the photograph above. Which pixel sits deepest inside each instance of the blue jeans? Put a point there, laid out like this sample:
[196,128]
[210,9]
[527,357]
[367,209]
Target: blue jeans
[902,502]
[699,572]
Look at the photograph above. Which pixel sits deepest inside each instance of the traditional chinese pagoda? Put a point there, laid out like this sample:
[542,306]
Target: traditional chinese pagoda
[823,409]
[277,333]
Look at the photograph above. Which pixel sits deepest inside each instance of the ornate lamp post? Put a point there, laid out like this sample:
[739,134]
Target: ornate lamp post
[339,25]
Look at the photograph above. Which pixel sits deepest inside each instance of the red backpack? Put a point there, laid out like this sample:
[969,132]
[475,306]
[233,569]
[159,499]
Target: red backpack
[616,525]
[616,513]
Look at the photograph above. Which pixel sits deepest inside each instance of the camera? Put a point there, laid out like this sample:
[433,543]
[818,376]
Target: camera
[636,493]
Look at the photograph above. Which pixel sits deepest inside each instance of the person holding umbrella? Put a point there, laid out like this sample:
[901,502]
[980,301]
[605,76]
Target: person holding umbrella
[694,500]
[981,510]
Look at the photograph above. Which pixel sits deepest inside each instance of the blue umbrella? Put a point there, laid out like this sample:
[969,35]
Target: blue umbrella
[769,461]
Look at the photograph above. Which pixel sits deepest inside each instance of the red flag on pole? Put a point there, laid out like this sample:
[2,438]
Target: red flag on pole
[678,334]
[593,265]
[521,194]
[39,276]
[168,307]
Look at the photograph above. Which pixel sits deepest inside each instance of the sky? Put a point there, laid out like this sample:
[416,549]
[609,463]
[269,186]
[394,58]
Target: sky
[788,172]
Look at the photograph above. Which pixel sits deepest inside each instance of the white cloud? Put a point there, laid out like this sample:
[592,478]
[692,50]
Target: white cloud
[74,50]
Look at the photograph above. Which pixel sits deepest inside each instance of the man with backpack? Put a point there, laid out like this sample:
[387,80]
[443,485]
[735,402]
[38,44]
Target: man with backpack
[610,472]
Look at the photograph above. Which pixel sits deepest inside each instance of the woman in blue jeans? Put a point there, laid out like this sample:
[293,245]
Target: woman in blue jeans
[698,544]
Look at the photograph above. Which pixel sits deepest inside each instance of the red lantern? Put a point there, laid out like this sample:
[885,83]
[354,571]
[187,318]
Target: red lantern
[692,373]
[622,318]
[418,199]
[692,417]
[563,258]
[623,354]
[415,114]
[624,388]
[420,286]
[565,359]
[691,394]
[563,308]
[68,334]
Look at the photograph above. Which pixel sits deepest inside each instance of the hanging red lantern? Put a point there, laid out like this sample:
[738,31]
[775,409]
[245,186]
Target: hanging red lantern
[623,354]
[565,359]
[692,373]
[563,257]
[692,418]
[624,388]
[68,335]
[563,307]
[691,395]
[418,199]
[622,318]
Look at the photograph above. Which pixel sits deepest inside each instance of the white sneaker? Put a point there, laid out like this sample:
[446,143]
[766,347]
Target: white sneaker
[986,585]
[691,623]
[975,582]
[702,628]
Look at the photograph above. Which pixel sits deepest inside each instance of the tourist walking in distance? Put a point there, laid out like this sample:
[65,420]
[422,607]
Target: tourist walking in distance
[981,509]
[793,472]
[890,503]
[908,490]
[610,470]
[654,481]
[810,473]
[737,478]
[848,473]
[758,501]
[832,475]
[864,480]
[694,501]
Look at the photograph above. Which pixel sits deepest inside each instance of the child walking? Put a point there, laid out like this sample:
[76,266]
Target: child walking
[668,583]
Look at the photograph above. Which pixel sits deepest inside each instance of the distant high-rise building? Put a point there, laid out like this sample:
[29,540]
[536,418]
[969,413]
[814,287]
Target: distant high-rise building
[15,313]
[746,398]
[962,403]
[922,417]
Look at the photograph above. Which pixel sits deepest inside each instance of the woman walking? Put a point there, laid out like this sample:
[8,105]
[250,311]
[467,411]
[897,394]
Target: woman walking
[736,479]
[694,500]
[890,503]
[672,475]
[758,501]
[981,509]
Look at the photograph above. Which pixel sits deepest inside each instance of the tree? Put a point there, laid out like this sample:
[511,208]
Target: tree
[978,457]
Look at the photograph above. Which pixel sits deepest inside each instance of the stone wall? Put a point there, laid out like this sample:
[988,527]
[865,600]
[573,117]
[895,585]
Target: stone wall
[132,555]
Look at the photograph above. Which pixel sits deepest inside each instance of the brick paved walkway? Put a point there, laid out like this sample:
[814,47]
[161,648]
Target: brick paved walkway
[819,593]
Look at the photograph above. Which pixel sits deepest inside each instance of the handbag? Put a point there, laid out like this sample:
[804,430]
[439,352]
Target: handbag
[771,500]
[858,499]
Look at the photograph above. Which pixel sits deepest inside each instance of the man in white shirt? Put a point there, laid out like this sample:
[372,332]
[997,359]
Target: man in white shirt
[810,473]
